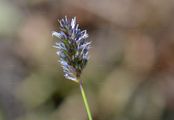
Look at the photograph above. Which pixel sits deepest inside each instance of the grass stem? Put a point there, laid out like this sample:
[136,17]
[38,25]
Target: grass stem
[85,101]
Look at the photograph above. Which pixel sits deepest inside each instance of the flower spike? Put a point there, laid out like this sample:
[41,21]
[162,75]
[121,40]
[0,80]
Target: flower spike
[72,49]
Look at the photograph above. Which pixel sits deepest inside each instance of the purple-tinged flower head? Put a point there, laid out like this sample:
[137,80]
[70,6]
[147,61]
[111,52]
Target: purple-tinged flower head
[72,48]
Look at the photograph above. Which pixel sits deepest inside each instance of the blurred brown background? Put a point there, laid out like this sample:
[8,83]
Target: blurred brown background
[130,75]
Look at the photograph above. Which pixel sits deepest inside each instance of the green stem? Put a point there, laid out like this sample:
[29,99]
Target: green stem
[85,101]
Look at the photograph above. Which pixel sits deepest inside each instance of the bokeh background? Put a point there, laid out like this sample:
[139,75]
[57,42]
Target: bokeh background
[130,75]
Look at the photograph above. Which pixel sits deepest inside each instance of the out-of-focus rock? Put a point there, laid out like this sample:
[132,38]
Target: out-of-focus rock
[140,54]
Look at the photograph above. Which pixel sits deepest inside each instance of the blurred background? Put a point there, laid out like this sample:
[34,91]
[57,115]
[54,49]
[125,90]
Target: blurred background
[130,74]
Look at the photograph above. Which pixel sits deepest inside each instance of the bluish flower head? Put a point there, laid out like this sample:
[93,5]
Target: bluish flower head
[72,48]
